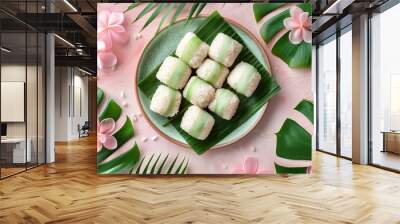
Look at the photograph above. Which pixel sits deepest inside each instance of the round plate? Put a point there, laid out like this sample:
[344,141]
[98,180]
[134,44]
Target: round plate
[160,47]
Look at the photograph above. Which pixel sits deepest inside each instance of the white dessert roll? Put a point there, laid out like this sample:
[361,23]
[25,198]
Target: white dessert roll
[174,73]
[197,122]
[224,49]
[224,104]
[192,50]
[244,79]
[165,101]
[213,72]
[198,92]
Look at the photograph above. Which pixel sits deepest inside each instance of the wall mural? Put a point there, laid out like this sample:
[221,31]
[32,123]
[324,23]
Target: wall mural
[204,88]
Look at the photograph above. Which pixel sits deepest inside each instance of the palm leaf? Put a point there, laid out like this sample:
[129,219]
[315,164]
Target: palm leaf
[146,9]
[199,9]
[165,16]
[192,11]
[293,141]
[156,12]
[150,166]
[131,6]
[306,107]
[178,11]
[294,55]
[126,160]
[262,9]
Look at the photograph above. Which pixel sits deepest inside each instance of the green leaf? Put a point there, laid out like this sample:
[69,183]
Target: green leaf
[147,165]
[172,165]
[206,29]
[306,107]
[192,10]
[178,11]
[122,135]
[120,163]
[146,9]
[162,164]
[291,170]
[112,110]
[199,9]
[271,27]
[295,55]
[100,96]
[140,166]
[131,6]
[156,12]
[262,9]
[293,142]
[153,169]
[165,16]
[179,167]
[185,168]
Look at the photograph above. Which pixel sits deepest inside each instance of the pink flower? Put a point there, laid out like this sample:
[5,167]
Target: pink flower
[250,166]
[104,134]
[106,60]
[110,28]
[299,24]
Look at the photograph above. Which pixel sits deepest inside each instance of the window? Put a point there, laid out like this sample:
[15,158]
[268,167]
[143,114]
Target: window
[327,96]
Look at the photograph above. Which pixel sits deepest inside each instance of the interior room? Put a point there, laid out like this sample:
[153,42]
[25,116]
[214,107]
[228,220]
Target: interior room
[72,123]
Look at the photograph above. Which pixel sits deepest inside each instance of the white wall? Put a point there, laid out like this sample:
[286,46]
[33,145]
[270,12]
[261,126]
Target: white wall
[69,82]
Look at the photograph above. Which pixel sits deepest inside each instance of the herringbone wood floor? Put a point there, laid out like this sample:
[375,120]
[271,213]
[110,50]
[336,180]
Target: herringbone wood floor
[69,191]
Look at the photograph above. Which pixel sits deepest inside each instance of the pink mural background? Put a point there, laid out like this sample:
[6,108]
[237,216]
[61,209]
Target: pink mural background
[259,144]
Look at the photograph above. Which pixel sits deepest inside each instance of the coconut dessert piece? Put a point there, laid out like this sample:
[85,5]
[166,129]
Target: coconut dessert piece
[198,92]
[213,72]
[224,49]
[224,104]
[244,79]
[197,122]
[174,73]
[192,50]
[165,101]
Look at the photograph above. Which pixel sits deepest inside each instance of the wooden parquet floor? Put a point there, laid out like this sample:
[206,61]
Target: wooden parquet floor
[69,191]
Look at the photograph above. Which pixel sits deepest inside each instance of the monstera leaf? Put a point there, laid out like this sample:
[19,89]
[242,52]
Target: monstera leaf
[295,55]
[293,141]
[166,10]
[155,166]
[126,160]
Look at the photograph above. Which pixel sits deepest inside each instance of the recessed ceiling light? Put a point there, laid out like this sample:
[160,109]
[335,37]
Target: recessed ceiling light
[5,50]
[64,40]
[70,5]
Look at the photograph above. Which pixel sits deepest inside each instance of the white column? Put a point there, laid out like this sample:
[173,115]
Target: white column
[360,90]
[50,94]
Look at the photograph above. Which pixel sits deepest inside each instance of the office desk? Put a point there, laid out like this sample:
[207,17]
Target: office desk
[391,142]
[13,150]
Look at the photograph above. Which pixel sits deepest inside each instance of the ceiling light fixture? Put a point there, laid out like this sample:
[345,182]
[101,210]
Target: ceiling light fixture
[5,50]
[84,71]
[64,40]
[70,5]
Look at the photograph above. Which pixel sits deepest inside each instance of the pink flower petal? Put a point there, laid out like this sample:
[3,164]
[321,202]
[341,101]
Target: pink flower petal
[102,46]
[115,18]
[106,38]
[106,60]
[290,24]
[120,37]
[98,146]
[110,142]
[304,19]
[251,165]
[107,126]
[295,36]
[101,138]
[307,36]
[295,13]
[102,21]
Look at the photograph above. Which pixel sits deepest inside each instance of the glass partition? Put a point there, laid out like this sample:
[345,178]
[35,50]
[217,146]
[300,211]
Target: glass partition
[385,89]
[327,96]
[346,93]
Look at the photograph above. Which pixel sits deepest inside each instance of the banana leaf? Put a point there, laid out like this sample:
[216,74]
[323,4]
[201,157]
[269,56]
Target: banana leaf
[207,29]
